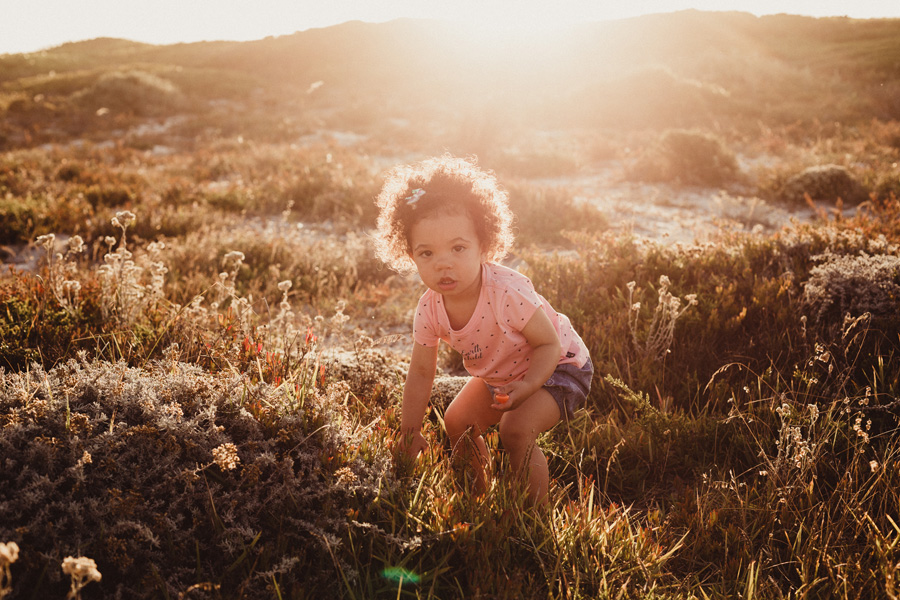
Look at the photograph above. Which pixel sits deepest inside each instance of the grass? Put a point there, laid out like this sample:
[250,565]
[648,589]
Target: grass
[742,445]
[203,399]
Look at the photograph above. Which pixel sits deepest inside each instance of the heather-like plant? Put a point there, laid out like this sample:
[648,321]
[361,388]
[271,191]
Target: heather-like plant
[847,284]
[171,477]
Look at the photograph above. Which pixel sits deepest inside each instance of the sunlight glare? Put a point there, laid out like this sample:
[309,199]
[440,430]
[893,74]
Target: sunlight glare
[491,28]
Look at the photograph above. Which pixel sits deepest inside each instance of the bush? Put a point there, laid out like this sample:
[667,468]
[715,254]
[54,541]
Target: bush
[135,93]
[854,285]
[169,478]
[688,158]
[825,183]
[542,215]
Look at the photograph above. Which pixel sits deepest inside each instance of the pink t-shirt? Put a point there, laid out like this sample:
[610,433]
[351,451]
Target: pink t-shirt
[491,343]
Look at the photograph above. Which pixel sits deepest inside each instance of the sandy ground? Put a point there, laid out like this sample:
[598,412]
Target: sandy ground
[674,213]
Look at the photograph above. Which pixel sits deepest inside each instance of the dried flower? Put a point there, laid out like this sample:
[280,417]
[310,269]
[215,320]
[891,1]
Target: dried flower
[76,244]
[234,256]
[226,456]
[84,460]
[346,476]
[82,570]
[285,285]
[46,241]
[9,553]
[71,287]
[124,219]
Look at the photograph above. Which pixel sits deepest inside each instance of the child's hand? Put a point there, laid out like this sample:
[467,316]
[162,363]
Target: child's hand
[411,444]
[511,396]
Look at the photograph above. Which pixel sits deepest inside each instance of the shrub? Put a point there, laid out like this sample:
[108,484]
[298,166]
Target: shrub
[131,92]
[19,218]
[853,285]
[826,183]
[689,158]
[168,477]
[542,215]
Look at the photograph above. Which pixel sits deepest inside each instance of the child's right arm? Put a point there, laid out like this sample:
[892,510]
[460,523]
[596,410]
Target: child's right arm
[416,394]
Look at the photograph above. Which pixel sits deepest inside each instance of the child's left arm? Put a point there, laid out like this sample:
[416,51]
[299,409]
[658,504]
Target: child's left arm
[542,337]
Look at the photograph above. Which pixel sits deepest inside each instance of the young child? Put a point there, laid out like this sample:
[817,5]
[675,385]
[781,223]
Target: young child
[450,221]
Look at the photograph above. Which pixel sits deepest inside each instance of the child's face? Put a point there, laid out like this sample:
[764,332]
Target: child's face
[448,254]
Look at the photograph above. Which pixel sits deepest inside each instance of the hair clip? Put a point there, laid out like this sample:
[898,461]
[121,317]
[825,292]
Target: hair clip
[414,197]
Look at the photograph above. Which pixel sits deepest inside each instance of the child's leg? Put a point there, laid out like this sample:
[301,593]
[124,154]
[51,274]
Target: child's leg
[519,429]
[471,408]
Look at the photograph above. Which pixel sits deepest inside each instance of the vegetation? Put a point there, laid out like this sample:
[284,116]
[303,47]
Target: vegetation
[201,361]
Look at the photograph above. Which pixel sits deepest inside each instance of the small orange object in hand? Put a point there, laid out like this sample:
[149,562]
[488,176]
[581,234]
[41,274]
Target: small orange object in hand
[501,398]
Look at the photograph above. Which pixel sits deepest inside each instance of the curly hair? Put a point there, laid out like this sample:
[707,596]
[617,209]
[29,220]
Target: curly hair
[443,184]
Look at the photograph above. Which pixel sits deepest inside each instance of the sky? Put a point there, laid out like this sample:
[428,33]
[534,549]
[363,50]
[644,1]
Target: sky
[32,25]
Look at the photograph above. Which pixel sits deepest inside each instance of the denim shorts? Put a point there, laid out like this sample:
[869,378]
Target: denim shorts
[569,385]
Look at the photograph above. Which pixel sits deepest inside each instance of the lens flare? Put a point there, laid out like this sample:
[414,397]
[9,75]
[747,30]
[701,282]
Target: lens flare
[400,576]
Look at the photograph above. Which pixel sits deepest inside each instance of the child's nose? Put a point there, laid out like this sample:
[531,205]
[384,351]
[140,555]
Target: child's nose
[444,261]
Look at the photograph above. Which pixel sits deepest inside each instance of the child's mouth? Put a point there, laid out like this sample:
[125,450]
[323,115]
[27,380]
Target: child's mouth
[446,283]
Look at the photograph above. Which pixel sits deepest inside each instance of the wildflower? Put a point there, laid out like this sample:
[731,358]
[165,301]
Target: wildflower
[71,287]
[9,553]
[873,464]
[226,456]
[813,412]
[234,256]
[860,432]
[110,241]
[346,476]
[124,219]
[285,285]
[664,281]
[82,570]
[76,244]
[636,306]
[84,460]
[172,411]
[339,317]
[630,285]
[46,241]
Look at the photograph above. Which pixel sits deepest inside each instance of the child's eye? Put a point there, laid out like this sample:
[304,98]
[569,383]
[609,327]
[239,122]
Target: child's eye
[424,253]
[458,248]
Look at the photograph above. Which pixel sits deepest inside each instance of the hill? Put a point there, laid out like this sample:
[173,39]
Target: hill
[688,68]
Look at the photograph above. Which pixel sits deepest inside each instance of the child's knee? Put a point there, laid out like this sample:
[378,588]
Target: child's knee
[455,422]
[516,434]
